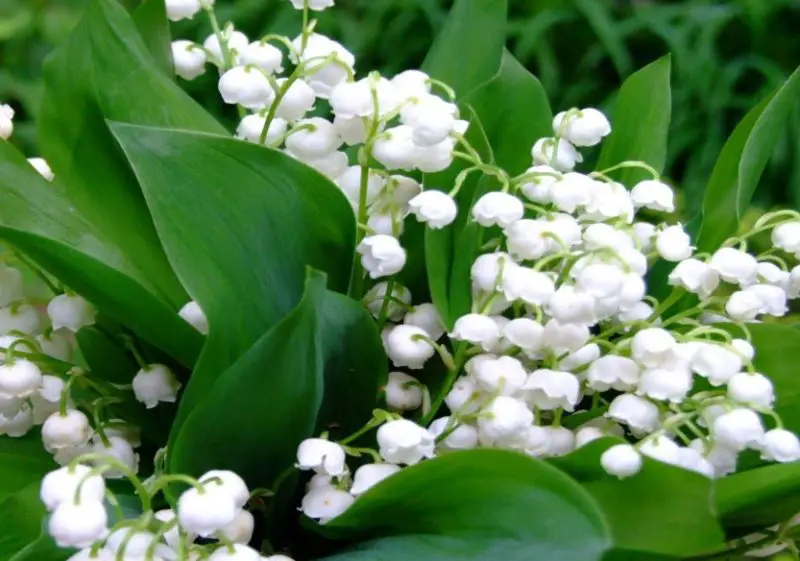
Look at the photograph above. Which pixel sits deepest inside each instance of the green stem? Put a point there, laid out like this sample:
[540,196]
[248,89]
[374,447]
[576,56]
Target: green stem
[452,374]
[227,61]
[387,299]
[38,272]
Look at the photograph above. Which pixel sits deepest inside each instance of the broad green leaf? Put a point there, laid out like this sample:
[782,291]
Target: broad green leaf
[601,19]
[648,513]
[640,123]
[150,18]
[23,462]
[239,223]
[468,50]
[777,355]
[479,504]
[21,517]
[758,498]
[38,219]
[105,71]
[741,163]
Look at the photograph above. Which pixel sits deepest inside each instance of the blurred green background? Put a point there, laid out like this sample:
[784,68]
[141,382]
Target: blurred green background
[726,57]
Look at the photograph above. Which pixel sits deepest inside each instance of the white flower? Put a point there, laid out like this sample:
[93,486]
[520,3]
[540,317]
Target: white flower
[354,130]
[325,503]
[71,312]
[531,239]
[787,236]
[395,311]
[155,383]
[6,121]
[240,531]
[408,346]
[170,536]
[194,316]
[560,441]
[263,56]
[189,59]
[476,329]
[64,431]
[251,126]
[369,475]
[55,344]
[46,401]
[132,543]
[601,280]
[403,392]
[693,460]
[674,244]
[568,305]
[695,276]
[11,285]
[662,449]
[41,165]
[735,266]
[653,346]
[643,233]
[103,554]
[637,412]
[316,5]
[237,552]
[486,270]
[610,371]
[78,525]
[621,460]
[323,77]
[21,378]
[562,337]
[523,283]
[426,316]
[245,86]
[504,375]
[580,358]
[552,389]
[323,456]
[120,450]
[350,183]
[794,282]
[462,395]
[432,123]
[460,437]
[664,384]
[503,419]
[524,333]
[411,83]
[298,100]
[752,389]
[381,255]
[313,138]
[61,485]
[780,445]
[434,208]
[230,483]
[738,429]
[497,209]
[721,458]
[715,362]
[566,156]
[538,187]
[395,149]
[207,512]
[404,442]
[586,127]
[236,42]
[743,305]
[18,424]
[773,299]
[572,191]
[653,194]
[182,9]
[770,273]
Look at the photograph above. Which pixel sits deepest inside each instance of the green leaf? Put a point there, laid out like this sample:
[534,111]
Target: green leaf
[648,513]
[758,498]
[640,122]
[468,50]
[105,71]
[21,516]
[40,220]
[239,223]
[601,19]
[478,504]
[741,163]
[777,355]
[150,18]
[23,462]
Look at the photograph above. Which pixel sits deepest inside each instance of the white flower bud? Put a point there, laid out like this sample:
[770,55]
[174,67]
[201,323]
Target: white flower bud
[404,442]
[463,396]
[674,244]
[653,346]
[325,503]
[352,130]
[323,456]
[189,59]
[120,450]
[194,316]
[497,209]
[780,445]
[617,372]
[562,337]
[580,358]
[173,536]
[744,349]
[395,311]
[664,384]
[787,236]
[208,512]
[240,531]
[411,83]
[643,233]
[527,285]
[403,392]
[61,485]
[621,460]
[566,156]
[560,441]
[770,273]
[524,333]
[394,149]
[324,77]
[350,183]
[78,525]
[381,255]
[65,431]
[586,435]
[743,305]
[539,188]
[319,139]
[602,236]
[572,191]
[653,194]
[24,318]
[182,9]
[263,56]
[230,483]
[18,424]
[70,312]
[693,460]
[6,121]
[431,119]
[21,378]
[132,543]
[462,437]
[369,475]
[251,126]
[751,389]
[237,552]
[155,383]
[552,389]
[504,375]
[46,401]
[486,271]
[434,208]
[476,329]
[426,316]
[407,346]
[586,127]
[738,429]
[529,239]
[245,86]
[735,266]
[715,362]
[236,41]
[297,101]
[661,448]
[316,5]
[695,276]
[41,165]
[637,412]
[773,299]
[601,280]
[503,419]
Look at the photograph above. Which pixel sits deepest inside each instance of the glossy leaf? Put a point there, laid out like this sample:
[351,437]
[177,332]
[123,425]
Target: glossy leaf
[105,71]
[21,517]
[741,163]
[480,504]
[23,462]
[457,57]
[150,18]
[39,219]
[647,513]
[239,223]
[640,123]
[777,355]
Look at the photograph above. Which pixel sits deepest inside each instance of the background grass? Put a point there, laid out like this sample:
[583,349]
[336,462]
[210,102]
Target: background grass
[726,57]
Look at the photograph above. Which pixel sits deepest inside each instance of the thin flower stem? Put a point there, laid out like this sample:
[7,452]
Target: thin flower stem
[387,299]
[452,374]
[227,60]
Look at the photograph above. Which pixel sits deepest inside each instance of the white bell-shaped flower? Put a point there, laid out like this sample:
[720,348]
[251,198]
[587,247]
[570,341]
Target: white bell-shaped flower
[236,42]
[751,389]
[298,100]
[653,194]
[400,300]
[24,318]
[11,285]
[404,442]
[381,255]
[499,375]
[527,285]
[586,435]
[621,460]
[323,77]
[674,244]
[773,299]
[566,156]
[395,149]
[70,312]
[786,236]
[240,531]
[637,412]
[17,424]
[580,358]
[315,137]
[459,436]
[194,316]
[695,276]
[120,450]
[526,334]
[661,448]
[644,233]
[611,371]
[403,392]
[207,512]
[236,552]
[230,483]
[408,346]
[426,316]
[173,536]
[504,419]
[601,280]
[463,396]
[569,305]
[476,329]
[6,121]
[78,525]
[350,183]
[133,543]
[19,379]
[431,120]
[61,486]
[563,337]
[497,209]
[780,445]
[488,271]
[552,389]
[46,401]
[155,384]
[653,347]
[246,86]
[369,475]
[539,187]
[322,456]
[325,503]
[182,9]
[744,305]
[251,126]
[263,56]
[586,127]
[735,266]
[434,208]
[65,431]
[738,429]
[770,273]
[189,59]
[411,84]
[693,460]
[666,384]
[573,191]
[56,344]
